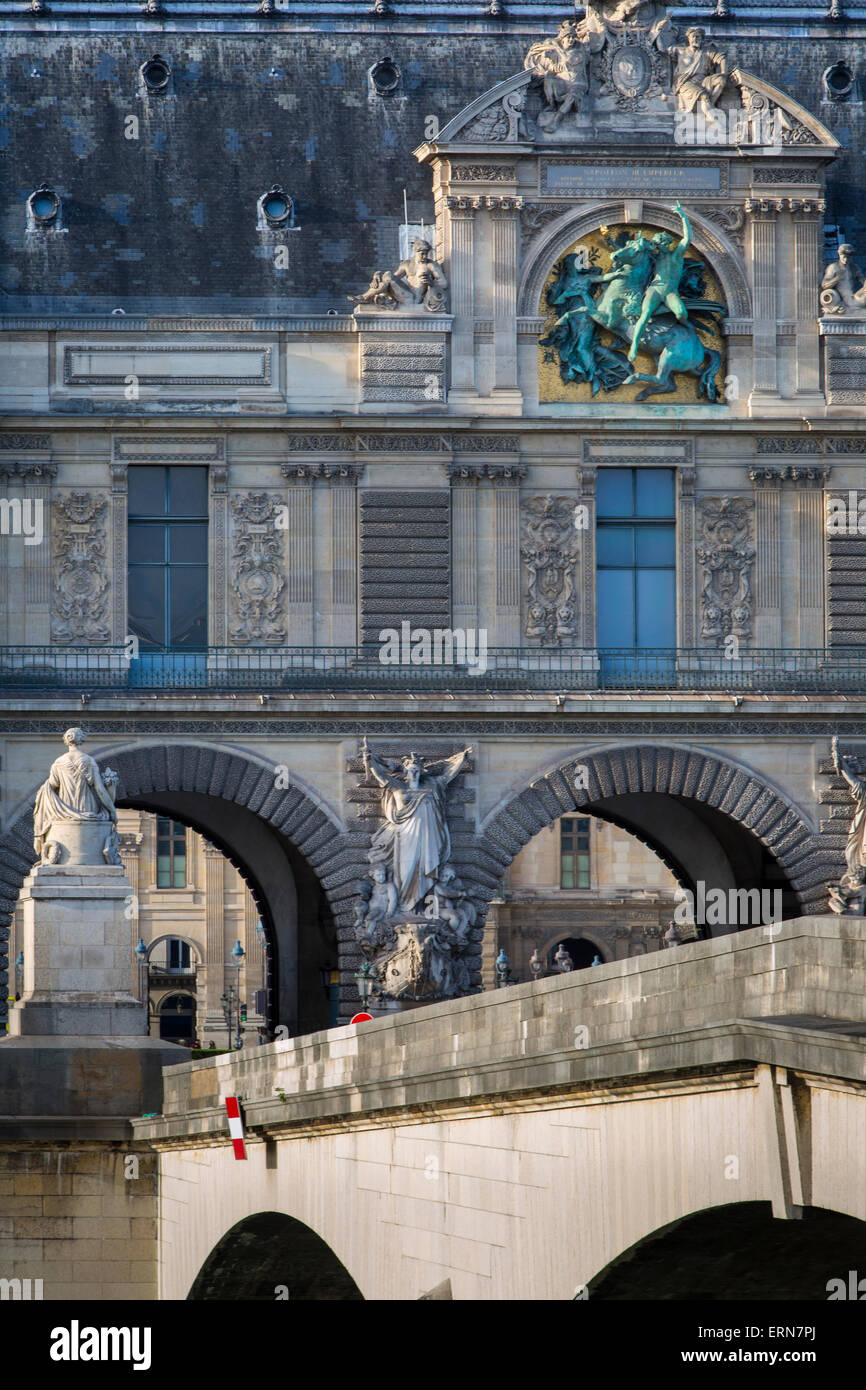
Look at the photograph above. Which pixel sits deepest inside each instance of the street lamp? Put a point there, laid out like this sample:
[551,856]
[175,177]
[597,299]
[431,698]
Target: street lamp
[143,990]
[536,965]
[503,970]
[19,973]
[227,999]
[364,982]
[238,957]
[562,960]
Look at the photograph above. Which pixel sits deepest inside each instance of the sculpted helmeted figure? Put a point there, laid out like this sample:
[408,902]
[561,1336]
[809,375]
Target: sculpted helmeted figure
[75,791]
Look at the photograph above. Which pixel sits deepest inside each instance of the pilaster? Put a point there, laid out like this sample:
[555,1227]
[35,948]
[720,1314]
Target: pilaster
[299,478]
[119,624]
[763,213]
[462,280]
[807,276]
[812,568]
[585,597]
[218,595]
[768,556]
[505,215]
[687,634]
[506,494]
[343,489]
[215,957]
[464,546]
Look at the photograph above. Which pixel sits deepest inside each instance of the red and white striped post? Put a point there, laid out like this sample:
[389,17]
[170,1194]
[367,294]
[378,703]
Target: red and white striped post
[236,1126]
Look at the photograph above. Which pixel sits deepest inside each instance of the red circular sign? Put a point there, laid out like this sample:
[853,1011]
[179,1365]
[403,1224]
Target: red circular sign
[362,1018]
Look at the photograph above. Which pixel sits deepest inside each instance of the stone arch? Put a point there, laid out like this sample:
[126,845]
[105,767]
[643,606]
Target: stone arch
[268,1250]
[736,1251]
[725,793]
[708,239]
[271,835]
[195,951]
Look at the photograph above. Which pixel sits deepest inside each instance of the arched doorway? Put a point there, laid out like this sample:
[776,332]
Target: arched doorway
[177,1019]
[272,1256]
[738,1252]
[583,953]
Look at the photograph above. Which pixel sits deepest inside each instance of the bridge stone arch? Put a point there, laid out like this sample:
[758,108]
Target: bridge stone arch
[737,1250]
[705,815]
[707,238]
[269,1256]
[280,839]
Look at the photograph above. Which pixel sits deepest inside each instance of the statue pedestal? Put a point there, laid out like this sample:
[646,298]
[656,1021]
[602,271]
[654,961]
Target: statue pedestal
[77,954]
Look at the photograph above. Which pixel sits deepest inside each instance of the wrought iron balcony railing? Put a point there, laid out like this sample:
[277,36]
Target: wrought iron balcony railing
[559,670]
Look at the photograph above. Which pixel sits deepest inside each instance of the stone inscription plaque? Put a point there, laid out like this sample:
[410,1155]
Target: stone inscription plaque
[646,179]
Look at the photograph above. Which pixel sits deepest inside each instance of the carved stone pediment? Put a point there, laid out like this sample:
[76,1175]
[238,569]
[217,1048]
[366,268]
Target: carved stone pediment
[640,77]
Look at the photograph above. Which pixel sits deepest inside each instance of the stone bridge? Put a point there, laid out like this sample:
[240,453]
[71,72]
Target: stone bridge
[599,1134]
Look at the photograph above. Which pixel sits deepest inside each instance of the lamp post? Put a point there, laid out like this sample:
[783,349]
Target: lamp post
[503,970]
[238,957]
[19,973]
[143,990]
[536,965]
[227,999]
[562,960]
[364,982]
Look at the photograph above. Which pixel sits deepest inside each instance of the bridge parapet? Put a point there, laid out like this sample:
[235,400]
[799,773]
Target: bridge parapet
[793,994]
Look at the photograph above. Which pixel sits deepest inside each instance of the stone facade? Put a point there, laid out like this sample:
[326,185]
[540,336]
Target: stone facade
[407,463]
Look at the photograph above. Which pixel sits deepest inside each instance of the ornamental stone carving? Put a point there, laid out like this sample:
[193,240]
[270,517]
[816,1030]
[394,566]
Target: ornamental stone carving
[848,897]
[726,557]
[414,921]
[258,569]
[550,551]
[418,282]
[843,289]
[81,587]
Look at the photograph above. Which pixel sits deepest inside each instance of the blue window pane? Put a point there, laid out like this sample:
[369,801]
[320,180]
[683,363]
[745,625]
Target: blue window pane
[655,545]
[146,491]
[655,491]
[615,492]
[188,543]
[188,491]
[147,604]
[656,608]
[616,608]
[615,545]
[188,606]
[146,544]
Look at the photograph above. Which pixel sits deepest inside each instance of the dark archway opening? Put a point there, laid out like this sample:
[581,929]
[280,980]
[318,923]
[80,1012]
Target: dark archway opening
[294,911]
[582,952]
[177,1019]
[270,1256]
[703,846]
[738,1252]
